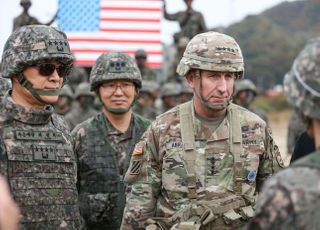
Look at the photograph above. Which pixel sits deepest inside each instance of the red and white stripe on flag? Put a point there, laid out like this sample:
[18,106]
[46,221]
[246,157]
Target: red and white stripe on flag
[125,25]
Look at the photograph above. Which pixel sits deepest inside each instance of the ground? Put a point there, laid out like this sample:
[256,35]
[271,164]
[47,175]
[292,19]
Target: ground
[278,121]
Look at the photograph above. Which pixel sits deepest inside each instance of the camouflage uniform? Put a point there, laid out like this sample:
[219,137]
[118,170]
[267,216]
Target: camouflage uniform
[290,199]
[103,151]
[170,90]
[249,87]
[147,74]
[37,157]
[191,22]
[81,110]
[190,177]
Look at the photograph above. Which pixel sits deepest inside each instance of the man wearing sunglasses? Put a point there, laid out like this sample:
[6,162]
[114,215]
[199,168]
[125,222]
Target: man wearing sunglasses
[37,157]
[104,142]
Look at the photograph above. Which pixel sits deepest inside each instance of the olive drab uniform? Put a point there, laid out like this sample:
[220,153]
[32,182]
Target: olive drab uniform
[196,178]
[39,164]
[102,154]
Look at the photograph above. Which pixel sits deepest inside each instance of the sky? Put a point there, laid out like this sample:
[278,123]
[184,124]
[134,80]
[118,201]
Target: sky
[215,12]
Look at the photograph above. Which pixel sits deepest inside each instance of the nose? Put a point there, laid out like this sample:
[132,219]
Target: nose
[118,90]
[54,76]
[222,85]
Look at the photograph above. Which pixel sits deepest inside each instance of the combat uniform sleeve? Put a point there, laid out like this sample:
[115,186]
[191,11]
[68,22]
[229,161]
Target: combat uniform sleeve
[274,208]
[143,180]
[270,161]
[76,136]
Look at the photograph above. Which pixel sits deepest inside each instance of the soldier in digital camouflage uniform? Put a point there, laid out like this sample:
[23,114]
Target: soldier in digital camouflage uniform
[5,84]
[25,19]
[244,94]
[83,108]
[200,165]
[191,22]
[290,199]
[147,74]
[145,104]
[77,76]
[37,158]
[103,143]
[64,104]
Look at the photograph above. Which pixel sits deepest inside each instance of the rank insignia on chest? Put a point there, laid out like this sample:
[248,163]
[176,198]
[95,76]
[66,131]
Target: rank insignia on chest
[138,149]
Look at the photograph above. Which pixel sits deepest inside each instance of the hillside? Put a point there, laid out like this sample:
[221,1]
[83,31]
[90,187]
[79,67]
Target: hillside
[272,39]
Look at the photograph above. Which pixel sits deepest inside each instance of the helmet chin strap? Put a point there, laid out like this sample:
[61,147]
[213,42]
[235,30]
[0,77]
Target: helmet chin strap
[206,103]
[36,92]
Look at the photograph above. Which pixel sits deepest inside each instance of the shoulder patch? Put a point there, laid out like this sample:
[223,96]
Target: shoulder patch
[138,149]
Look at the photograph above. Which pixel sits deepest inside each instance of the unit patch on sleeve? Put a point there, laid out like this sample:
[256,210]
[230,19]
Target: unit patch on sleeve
[135,167]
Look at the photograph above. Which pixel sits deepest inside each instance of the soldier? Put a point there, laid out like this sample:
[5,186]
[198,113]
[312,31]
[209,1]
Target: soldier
[25,19]
[64,103]
[145,105]
[83,109]
[169,94]
[38,160]
[290,199]
[147,73]
[104,142]
[186,93]
[201,164]
[244,94]
[191,22]
[77,76]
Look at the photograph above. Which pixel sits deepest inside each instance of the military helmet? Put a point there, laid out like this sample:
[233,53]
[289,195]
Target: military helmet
[83,89]
[212,51]
[149,87]
[66,91]
[244,84]
[170,89]
[31,44]
[302,82]
[140,53]
[114,66]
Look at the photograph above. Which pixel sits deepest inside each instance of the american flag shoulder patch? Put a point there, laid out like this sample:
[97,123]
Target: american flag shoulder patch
[138,149]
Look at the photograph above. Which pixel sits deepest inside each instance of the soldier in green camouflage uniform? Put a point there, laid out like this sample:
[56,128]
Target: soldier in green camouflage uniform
[169,94]
[103,143]
[147,74]
[145,104]
[36,149]
[244,94]
[290,199]
[83,108]
[200,165]
[64,103]
[191,22]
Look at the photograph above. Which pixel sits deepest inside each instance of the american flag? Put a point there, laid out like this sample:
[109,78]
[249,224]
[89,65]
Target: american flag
[97,26]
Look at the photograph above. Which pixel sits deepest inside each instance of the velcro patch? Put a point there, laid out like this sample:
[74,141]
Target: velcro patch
[135,167]
[138,149]
[55,46]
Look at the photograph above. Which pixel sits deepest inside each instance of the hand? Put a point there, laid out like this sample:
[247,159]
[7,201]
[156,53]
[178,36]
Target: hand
[9,211]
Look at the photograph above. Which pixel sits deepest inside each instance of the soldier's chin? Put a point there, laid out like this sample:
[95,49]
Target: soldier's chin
[118,110]
[50,99]
[216,106]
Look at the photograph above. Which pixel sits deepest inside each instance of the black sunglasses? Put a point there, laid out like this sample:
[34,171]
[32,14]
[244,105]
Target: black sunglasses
[46,69]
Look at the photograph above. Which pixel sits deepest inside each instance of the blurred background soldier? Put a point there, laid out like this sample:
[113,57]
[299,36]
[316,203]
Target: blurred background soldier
[145,104]
[77,76]
[38,161]
[83,107]
[191,22]
[244,94]
[201,164]
[181,46]
[103,143]
[290,199]
[25,19]
[186,92]
[147,73]
[169,94]
[64,104]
